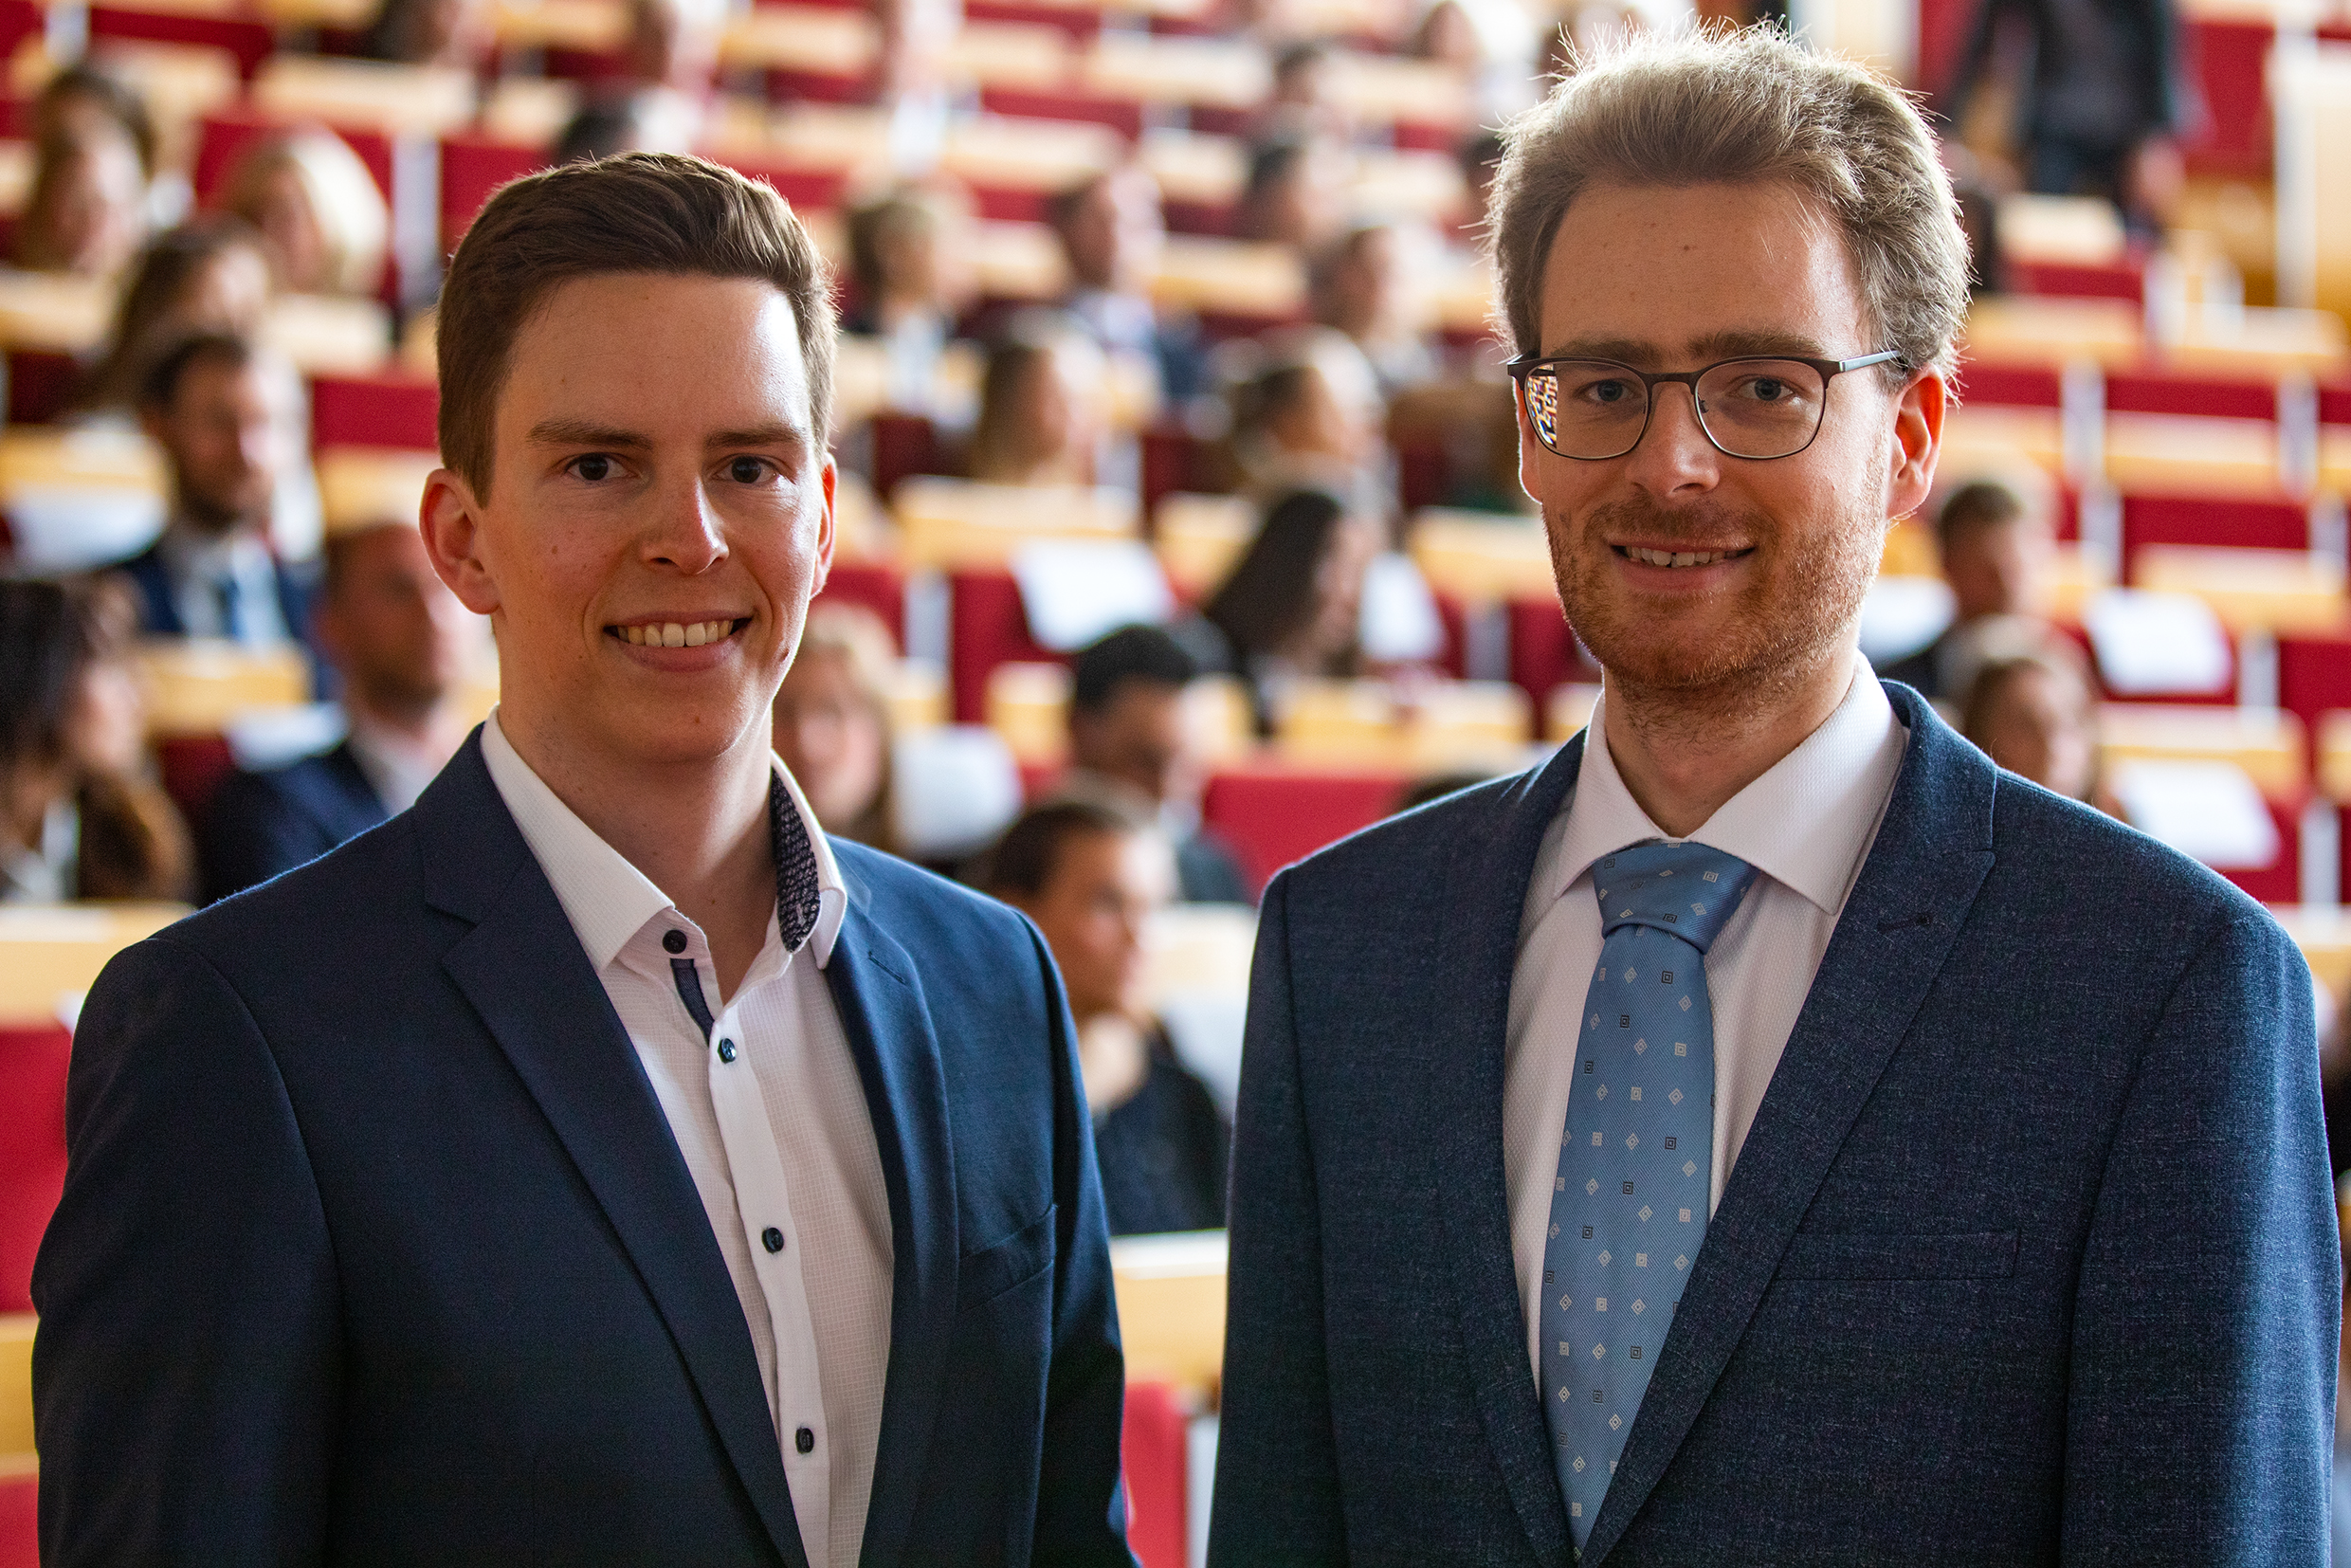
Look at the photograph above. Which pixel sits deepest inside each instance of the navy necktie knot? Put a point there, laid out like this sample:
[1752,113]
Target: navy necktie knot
[1687,890]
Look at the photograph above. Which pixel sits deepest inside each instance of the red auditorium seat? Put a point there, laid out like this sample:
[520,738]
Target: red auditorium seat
[1273,816]
[471,168]
[1157,1463]
[251,39]
[2010,386]
[2232,70]
[904,444]
[986,627]
[879,589]
[1172,458]
[39,385]
[2121,281]
[1543,656]
[1081,23]
[2281,881]
[226,136]
[19,1543]
[2335,404]
[20,20]
[32,1149]
[2314,677]
[193,767]
[375,410]
[1122,115]
[2167,392]
[2195,519]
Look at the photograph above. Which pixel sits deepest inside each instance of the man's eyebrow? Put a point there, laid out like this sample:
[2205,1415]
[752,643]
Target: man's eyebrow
[582,432]
[758,435]
[1701,351]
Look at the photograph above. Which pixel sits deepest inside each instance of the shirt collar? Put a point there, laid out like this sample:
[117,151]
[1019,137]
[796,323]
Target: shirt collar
[1806,823]
[608,900]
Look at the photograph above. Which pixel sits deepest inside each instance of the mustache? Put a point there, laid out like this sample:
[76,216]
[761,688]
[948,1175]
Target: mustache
[1698,527]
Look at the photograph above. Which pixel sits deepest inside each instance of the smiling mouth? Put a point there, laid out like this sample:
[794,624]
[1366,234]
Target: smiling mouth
[676,633]
[1679,557]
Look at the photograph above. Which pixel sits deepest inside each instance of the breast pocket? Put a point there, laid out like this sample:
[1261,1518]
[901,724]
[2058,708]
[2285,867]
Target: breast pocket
[1005,1266]
[1973,1255]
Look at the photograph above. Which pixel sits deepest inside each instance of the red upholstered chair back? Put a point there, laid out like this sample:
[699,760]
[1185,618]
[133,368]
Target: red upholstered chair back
[32,1149]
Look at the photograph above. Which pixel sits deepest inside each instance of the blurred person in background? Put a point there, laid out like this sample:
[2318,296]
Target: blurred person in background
[1996,551]
[400,642]
[1041,407]
[1357,287]
[1491,44]
[912,77]
[213,406]
[1112,230]
[2036,716]
[832,721]
[210,275]
[1296,194]
[1091,876]
[78,817]
[87,212]
[669,59]
[1310,415]
[610,122]
[1292,606]
[311,198]
[1131,738]
[1301,101]
[911,272]
[2101,101]
[454,33]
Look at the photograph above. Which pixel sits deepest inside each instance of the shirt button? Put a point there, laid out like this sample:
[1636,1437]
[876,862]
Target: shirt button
[804,1440]
[674,941]
[726,1050]
[772,1239]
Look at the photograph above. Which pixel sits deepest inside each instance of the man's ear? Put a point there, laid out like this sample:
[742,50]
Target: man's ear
[828,531]
[1918,443]
[451,518]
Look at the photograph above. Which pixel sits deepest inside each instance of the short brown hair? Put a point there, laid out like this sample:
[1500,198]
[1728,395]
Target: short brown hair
[1980,503]
[1027,857]
[643,212]
[1743,107]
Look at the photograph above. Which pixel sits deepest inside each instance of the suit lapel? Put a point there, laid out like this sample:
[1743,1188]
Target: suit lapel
[1469,1026]
[523,970]
[1932,854]
[879,999]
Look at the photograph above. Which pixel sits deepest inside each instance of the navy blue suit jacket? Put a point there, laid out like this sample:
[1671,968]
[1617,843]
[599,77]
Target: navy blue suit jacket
[262,824]
[375,1245]
[2029,1256]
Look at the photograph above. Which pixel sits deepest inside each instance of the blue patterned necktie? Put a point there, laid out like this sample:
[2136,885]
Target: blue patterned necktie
[1629,1208]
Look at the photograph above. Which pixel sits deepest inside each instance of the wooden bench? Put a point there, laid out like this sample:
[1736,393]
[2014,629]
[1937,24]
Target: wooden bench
[2274,591]
[2266,743]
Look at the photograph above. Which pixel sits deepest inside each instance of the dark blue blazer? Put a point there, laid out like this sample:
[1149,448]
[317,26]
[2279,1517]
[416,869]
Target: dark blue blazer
[375,1247]
[262,824]
[2029,1256]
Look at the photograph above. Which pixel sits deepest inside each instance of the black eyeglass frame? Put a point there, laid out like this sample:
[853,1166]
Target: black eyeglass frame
[1827,370]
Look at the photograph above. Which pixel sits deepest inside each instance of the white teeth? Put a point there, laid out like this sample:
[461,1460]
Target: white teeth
[676,634]
[697,634]
[1675,558]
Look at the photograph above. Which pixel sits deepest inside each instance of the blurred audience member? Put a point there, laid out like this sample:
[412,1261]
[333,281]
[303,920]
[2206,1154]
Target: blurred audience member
[93,172]
[1091,877]
[77,817]
[1489,45]
[1301,102]
[2035,715]
[1996,551]
[1041,407]
[612,122]
[211,405]
[1112,231]
[210,275]
[400,641]
[1357,289]
[1311,416]
[911,79]
[1296,192]
[2101,101]
[309,195]
[832,721]
[1292,606]
[910,265]
[1479,157]
[1132,737]
[432,32]
[669,59]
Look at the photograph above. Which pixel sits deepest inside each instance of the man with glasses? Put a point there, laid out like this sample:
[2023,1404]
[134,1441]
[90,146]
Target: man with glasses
[1765,1132]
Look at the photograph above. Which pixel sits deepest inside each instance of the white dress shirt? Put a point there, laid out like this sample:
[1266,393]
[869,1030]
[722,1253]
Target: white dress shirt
[395,767]
[1806,826]
[201,568]
[779,1139]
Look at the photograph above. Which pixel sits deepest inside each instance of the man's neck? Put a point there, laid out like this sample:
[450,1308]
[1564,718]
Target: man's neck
[697,831]
[1683,756]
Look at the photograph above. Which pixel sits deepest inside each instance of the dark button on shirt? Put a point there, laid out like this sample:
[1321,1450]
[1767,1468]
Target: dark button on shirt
[772,1239]
[804,1440]
[673,942]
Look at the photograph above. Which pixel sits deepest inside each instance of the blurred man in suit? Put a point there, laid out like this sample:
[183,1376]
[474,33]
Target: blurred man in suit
[212,404]
[399,641]
[598,1163]
[1764,1133]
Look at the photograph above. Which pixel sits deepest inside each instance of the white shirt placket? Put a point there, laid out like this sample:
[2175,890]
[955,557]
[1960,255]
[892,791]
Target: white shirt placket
[763,1207]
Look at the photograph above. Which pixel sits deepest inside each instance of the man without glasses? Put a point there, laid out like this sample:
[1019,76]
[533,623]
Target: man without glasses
[594,1164]
[1765,1133]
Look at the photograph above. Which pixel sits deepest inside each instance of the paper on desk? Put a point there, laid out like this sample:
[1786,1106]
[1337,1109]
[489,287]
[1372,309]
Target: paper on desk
[2210,811]
[61,528]
[1074,591]
[952,789]
[1398,620]
[1901,615]
[2148,642]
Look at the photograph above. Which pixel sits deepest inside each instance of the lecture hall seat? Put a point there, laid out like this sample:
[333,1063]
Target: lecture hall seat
[32,1147]
[1273,815]
[1156,1461]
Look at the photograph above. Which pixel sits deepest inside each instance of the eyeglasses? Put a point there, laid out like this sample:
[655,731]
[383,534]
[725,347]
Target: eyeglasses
[1593,409]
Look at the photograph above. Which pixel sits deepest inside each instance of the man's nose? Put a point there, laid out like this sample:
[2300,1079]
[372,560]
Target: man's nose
[1674,456]
[687,532]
